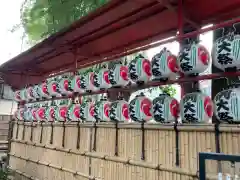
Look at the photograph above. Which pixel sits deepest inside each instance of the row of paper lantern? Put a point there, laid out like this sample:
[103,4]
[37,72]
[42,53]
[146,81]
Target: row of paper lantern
[191,60]
[193,108]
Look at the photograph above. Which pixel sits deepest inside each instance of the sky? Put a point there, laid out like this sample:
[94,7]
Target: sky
[11,44]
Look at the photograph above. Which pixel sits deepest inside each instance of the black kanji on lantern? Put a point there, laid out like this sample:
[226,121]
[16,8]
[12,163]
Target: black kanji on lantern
[132,110]
[186,67]
[132,70]
[224,116]
[96,80]
[96,110]
[224,50]
[69,112]
[69,88]
[111,75]
[222,104]
[189,107]
[225,94]
[82,109]
[83,82]
[190,117]
[155,68]
[156,63]
[185,60]
[224,46]
[192,98]
[112,111]
[183,56]
[158,112]
[58,88]
[224,59]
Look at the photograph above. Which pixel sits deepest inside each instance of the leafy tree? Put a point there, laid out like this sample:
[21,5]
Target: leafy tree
[40,19]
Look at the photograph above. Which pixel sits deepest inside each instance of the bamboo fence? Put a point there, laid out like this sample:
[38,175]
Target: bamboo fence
[108,151]
[4,125]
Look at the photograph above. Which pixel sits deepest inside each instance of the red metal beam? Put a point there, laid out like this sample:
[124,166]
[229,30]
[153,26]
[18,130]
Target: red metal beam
[117,25]
[125,52]
[176,38]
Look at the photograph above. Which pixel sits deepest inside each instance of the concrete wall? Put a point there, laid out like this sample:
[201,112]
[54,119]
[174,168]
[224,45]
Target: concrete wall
[7,107]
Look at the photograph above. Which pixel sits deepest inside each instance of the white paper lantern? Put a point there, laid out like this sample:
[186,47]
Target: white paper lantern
[41,115]
[43,90]
[34,110]
[227,105]
[29,93]
[118,75]
[196,108]
[36,91]
[89,82]
[27,113]
[65,86]
[226,52]
[17,96]
[62,111]
[87,111]
[101,79]
[76,84]
[119,111]
[193,59]
[23,94]
[140,69]
[74,112]
[165,109]
[140,109]
[19,114]
[53,88]
[50,113]
[164,65]
[101,110]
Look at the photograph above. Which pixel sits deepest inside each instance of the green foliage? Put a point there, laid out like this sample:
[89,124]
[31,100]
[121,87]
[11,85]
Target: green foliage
[169,89]
[4,174]
[40,18]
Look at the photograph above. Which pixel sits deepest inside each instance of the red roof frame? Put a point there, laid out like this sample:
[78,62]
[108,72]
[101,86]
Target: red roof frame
[110,32]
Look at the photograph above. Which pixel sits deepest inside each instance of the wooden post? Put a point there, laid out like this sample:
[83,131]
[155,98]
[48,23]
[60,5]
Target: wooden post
[78,135]
[51,137]
[63,136]
[116,139]
[10,136]
[23,132]
[41,133]
[143,142]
